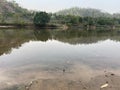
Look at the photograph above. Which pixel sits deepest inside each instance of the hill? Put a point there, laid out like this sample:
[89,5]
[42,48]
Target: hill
[86,12]
[11,12]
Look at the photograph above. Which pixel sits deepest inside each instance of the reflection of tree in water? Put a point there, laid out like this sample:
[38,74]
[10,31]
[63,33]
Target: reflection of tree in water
[42,35]
[86,37]
[15,38]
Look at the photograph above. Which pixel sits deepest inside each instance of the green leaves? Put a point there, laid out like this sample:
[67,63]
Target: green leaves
[41,18]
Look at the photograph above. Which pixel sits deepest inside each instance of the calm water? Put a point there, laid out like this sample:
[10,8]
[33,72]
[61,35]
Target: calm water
[27,55]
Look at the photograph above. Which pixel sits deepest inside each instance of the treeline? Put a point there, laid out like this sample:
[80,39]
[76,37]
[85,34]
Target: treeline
[12,14]
[77,20]
[87,12]
[43,18]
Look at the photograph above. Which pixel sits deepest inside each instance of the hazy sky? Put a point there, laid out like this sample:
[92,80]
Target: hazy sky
[55,5]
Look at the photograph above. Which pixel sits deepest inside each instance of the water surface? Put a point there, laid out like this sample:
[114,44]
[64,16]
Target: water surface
[27,55]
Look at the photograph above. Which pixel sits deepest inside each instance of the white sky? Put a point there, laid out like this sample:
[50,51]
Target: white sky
[111,6]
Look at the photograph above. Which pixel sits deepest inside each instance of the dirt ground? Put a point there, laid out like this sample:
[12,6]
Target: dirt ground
[108,81]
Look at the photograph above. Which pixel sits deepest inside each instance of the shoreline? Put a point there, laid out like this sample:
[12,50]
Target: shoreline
[108,81]
[27,26]
[57,26]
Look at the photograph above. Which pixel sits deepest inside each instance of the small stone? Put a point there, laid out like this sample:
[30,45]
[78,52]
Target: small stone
[104,86]
[63,70]
[36,81]
[106,75]
[112,74]
[106,81]
[84,88]
[26,88]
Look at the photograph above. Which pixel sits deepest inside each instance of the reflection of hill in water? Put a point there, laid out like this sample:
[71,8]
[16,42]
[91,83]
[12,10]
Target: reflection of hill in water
[15,38]
[77,37]
[86,37]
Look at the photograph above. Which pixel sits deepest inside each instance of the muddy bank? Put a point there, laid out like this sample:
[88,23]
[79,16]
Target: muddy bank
[28,26]
[108,81]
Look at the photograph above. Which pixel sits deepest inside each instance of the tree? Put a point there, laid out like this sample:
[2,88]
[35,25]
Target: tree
[41,18]
[105,21]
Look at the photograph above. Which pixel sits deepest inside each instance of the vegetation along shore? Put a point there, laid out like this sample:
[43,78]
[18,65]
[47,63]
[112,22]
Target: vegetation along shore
[14,16]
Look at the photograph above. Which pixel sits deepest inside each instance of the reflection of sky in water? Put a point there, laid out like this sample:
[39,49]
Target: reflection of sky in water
[104,54]
[31,54]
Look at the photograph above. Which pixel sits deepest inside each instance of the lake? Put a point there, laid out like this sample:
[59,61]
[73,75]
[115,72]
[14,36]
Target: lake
[27,55]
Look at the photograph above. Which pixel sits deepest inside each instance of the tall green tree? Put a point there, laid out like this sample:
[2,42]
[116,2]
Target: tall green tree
[41,18]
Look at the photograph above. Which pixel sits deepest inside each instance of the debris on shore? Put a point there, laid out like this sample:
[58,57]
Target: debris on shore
[111,82]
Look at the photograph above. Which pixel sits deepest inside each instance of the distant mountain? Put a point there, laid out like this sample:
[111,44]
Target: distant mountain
[12,12]
[85,12]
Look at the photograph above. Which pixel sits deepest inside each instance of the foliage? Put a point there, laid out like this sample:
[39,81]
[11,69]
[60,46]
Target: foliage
[87,12]
[105,21]
[83,12]
[11,12]
[41,18]
[78,20]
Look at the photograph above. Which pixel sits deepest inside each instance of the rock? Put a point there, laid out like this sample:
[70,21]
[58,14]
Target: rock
[104,86]
[112,74]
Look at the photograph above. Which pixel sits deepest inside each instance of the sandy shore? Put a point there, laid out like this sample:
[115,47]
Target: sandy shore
[75,77]
[108,81]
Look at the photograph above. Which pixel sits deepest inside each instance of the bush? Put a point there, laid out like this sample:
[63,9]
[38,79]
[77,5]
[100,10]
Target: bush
[41,18]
